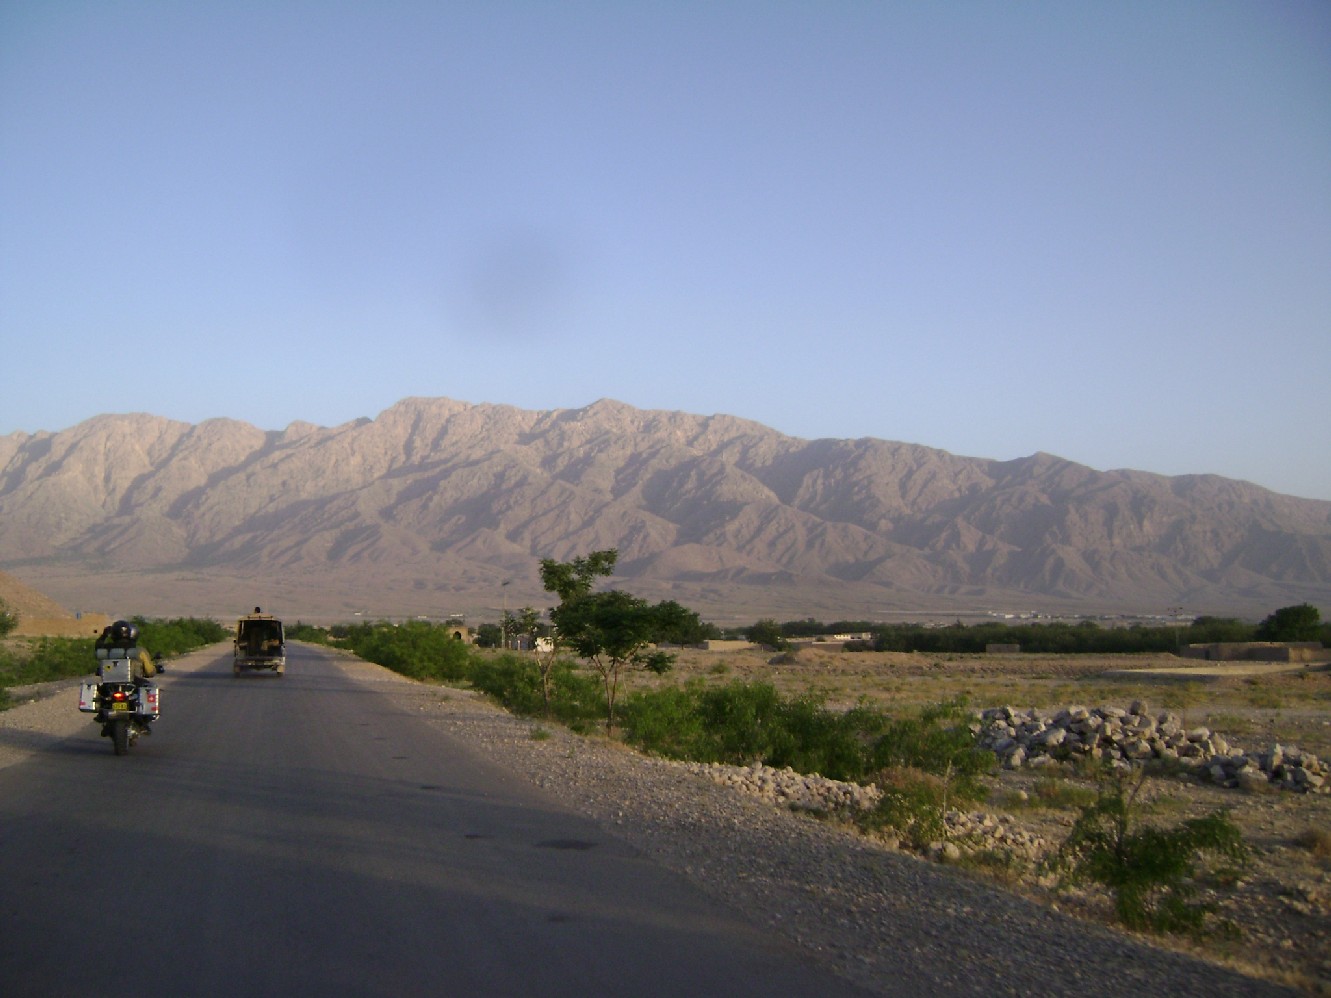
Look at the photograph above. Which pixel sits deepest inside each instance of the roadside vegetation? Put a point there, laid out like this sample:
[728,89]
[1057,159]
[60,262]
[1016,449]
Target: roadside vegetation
[24,661]
[1152,872]
[1086,637]
[598,670]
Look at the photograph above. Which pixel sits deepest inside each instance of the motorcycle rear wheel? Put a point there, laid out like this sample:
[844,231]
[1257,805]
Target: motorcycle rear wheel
[120,737]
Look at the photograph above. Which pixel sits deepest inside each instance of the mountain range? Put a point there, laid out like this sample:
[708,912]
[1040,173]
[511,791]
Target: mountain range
[438,507]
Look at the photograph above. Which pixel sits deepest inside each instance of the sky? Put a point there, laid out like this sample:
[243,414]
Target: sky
[1101,231]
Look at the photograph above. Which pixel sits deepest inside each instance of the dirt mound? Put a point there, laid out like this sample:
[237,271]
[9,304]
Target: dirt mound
[39,615]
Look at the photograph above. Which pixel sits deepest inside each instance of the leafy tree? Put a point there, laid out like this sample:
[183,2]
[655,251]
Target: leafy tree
[508,625]
[1213,630]
[489,636]
[8,619]
[1291,623]
[677,625]
[806,628]
[571,579]
[612,629]
[767,632]
[527,625]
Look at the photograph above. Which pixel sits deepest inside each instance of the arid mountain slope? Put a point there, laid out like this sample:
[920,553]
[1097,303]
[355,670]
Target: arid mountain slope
[446,500]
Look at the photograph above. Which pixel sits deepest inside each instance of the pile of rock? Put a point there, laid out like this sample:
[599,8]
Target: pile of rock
[787,788]
[1284,766]
[1000,834]
[967,832]
[1124,737]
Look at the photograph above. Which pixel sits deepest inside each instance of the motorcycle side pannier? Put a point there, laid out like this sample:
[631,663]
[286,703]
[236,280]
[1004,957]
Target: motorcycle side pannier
[150,702]
[88,698]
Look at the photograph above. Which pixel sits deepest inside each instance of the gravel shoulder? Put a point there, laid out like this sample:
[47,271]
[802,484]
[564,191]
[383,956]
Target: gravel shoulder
[889,921]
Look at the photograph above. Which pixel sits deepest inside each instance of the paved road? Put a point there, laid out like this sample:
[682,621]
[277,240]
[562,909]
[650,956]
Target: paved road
[307,835]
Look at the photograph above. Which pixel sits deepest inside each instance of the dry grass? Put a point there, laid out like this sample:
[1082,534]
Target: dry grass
[1316,840]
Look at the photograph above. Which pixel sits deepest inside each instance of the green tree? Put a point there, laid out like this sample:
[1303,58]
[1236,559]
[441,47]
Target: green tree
[489,636]
[1291,623]
[677,625]
[1213,630]
[571,579]
[509,626]
[528,625]
[8,619]
[611,630]
[767,632]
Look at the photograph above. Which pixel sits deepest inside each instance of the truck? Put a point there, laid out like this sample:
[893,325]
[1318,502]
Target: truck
[260,644]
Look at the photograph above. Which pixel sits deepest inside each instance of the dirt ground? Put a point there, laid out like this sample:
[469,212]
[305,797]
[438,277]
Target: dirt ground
[1281,906]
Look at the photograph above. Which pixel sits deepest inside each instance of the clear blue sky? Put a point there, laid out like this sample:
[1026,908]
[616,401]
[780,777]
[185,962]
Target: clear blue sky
[1101,230]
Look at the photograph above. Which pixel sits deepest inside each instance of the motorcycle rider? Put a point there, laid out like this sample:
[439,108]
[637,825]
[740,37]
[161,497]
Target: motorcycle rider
[123,634]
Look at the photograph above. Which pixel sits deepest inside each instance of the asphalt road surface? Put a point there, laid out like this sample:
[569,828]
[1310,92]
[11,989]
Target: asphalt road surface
[307,835]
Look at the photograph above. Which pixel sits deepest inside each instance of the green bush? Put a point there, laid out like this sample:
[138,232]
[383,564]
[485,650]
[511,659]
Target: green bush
[300,631]
[8,619]
[46,660]
[512,681]
[179,635]
[742,723]
[1151,871]
[576,698]
[668,722]
[913,804]
[938,741]
[417,649]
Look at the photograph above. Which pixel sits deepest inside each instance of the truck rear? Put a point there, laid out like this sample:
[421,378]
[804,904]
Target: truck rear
[260,644]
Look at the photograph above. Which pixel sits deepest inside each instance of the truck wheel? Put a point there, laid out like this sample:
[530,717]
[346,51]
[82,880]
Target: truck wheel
[120,737]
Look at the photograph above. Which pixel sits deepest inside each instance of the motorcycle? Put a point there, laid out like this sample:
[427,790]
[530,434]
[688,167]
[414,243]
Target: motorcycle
[125,706]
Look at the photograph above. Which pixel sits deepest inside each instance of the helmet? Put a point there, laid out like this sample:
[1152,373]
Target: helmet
[123,632]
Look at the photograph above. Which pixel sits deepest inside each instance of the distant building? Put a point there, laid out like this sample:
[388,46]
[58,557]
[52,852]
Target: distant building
[1258,651]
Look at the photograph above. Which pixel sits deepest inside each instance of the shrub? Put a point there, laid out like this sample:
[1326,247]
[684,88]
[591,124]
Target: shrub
[47,660]
[179,635]
[576,698]
[913,804]
[741,723]
[938,741]
[300,631]
[1150,871]
[1316,840]
[8,619]
[417,649]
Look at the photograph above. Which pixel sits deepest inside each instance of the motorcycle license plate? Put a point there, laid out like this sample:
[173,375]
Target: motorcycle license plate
[120,706]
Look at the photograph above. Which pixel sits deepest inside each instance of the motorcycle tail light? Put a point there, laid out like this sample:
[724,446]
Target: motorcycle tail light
[118,695]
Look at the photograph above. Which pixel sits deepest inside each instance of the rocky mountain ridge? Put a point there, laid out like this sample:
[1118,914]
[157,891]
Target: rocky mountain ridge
[440,502]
